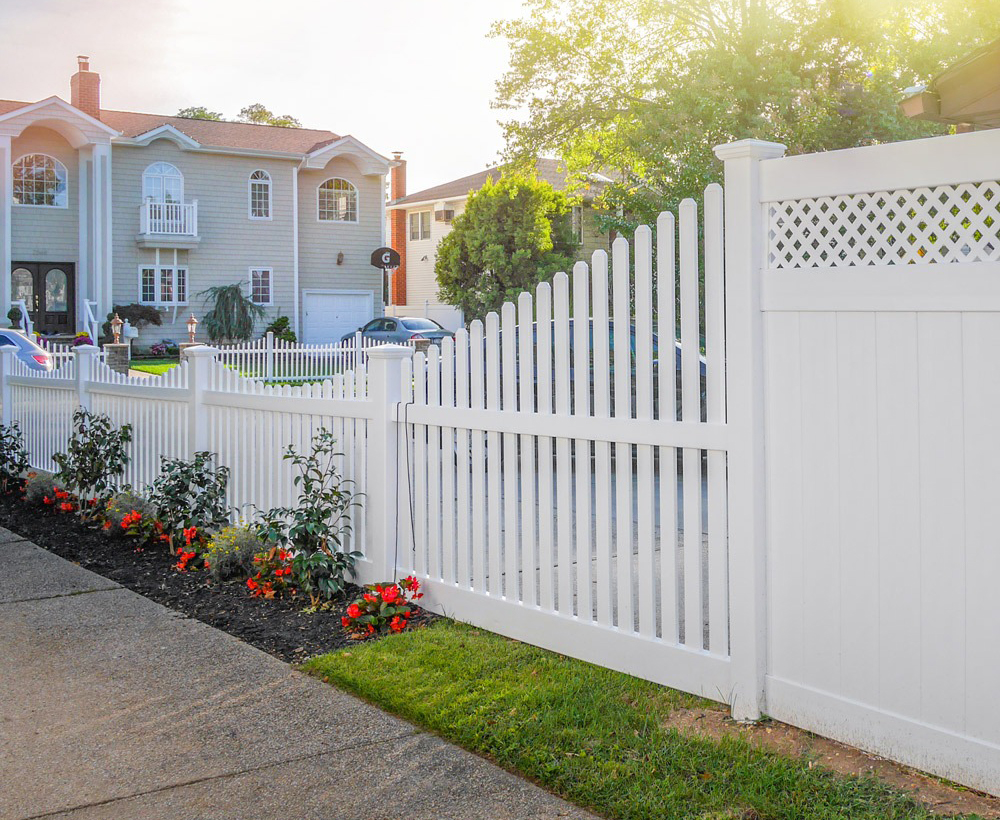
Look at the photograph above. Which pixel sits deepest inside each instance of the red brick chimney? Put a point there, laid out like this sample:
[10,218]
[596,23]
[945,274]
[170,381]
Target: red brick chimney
[85,89]
[397,227]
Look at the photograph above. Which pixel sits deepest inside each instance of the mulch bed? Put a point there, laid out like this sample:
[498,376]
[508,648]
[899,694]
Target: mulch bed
[278,627]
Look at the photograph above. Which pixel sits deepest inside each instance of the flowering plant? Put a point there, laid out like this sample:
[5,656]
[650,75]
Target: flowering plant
[272,578]
[382,607]
[60,500]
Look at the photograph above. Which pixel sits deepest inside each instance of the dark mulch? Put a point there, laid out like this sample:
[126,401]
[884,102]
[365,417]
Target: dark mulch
[278,627]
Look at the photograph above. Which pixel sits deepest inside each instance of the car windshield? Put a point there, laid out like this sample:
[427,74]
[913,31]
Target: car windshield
[420,324]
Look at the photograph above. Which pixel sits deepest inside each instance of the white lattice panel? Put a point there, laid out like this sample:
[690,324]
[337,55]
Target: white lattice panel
[949,223]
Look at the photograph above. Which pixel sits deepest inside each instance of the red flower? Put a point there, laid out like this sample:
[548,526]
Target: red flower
[371,599]
[345,622]
[66,506]
[107,525]
[252,584]
[390,594]
[370,630]
[190,534]
[354,611]
[397,624]
[48,500]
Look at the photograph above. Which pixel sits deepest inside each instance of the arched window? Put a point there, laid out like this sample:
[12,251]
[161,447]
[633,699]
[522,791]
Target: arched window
[40,180]
[338,201]
[260,195]
[162,182]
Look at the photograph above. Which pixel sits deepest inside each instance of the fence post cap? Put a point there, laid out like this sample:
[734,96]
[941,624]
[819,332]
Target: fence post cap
[754,149]
[199,351]
[86,349]
[389,352]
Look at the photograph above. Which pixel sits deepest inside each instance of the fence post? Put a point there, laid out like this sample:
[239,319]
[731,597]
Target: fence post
[199,359]
[269,355]
[358,341]
[744,259]
[6,371]
[385,367]
[86,355]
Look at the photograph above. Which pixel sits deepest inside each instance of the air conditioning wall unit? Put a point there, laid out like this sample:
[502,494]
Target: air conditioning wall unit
[444,215]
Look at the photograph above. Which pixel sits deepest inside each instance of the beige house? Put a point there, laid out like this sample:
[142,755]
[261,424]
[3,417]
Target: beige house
[418,222]
[966,94]
[108,208]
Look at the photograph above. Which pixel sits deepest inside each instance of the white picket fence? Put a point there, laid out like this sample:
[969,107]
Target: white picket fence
[802,524]
[271,359]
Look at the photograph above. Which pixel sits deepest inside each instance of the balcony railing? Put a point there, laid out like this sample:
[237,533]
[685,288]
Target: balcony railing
[169,218]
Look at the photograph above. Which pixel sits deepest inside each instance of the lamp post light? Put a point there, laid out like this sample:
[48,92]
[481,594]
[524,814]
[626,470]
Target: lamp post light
[116,328]
[192,327]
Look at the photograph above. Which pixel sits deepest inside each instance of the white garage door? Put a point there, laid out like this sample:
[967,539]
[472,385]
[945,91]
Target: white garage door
[328,316]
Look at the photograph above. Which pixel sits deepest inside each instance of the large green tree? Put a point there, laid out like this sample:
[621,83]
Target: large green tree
[254,113]
[199,112]
[513,234]
[645,88]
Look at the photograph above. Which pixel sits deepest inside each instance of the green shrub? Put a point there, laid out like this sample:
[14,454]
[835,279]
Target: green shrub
[314,530]
[123,503]
[38,485]
[96,455]
[230,552]
[281,327]
[190,494]
[13,458]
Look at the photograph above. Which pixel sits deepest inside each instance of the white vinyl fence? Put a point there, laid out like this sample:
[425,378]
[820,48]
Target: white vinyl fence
[752,455]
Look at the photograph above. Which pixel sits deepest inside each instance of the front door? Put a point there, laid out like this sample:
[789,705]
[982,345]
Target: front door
[48,289]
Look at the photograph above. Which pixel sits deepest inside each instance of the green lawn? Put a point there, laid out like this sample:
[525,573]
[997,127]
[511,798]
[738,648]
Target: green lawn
[155,366]
[594,736]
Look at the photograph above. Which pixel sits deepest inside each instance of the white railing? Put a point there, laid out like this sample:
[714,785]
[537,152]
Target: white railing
[90,321]
[170,218]
[270,359]
[26,324]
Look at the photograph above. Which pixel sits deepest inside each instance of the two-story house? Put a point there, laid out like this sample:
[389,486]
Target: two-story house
[101,208]
[419,221]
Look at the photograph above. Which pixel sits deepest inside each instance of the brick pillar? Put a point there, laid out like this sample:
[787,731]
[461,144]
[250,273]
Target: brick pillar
[118,357]
[397,228]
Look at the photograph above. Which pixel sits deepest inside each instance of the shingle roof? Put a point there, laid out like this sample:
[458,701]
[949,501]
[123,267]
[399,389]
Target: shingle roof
[550,170]
[239,135]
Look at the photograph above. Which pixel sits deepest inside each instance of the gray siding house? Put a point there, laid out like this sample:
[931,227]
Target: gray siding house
[104,208]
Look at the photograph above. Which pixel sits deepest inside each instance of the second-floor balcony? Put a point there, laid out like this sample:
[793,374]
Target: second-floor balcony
[168,224]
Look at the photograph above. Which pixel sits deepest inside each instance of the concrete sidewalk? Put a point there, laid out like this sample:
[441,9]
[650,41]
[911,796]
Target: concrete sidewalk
[112,706]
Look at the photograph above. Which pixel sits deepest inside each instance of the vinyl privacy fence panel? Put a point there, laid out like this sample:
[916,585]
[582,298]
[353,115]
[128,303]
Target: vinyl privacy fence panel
[880,301]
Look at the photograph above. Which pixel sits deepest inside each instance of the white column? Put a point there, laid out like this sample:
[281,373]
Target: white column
[101,242]
[86,355]
[199,359]
[6,234]
[295,253]
[744,258]
[385,367]
[84,280]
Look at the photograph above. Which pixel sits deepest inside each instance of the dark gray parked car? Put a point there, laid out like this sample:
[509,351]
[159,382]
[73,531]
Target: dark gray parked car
[400,330]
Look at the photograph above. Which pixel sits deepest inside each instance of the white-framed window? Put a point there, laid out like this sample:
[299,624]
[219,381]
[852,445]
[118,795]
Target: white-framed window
[259,204]
[162,182]
[162,285]
[337,201]
[260,286]
[40,181]
[577,224]
[420,225]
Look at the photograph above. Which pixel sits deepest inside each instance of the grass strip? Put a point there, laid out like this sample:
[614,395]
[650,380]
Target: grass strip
[592,735]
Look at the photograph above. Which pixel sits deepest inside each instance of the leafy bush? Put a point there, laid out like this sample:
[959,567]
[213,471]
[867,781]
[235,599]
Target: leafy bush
[273,576]
[15,316]
[97,455]
[314,529]
[139,316]
[190,494]
[124,505]
[281,327]
[230,552]
[165,347]
[38,485]
[13,457]
[382,607]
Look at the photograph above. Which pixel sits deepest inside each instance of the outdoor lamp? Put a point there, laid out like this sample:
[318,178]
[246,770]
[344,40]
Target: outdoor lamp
[116,328]
[192,326]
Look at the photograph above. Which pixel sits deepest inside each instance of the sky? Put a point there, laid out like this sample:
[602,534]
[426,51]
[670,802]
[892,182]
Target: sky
[415,76]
